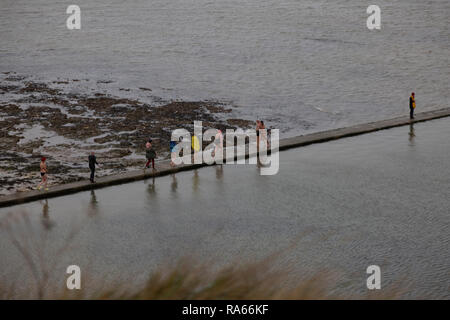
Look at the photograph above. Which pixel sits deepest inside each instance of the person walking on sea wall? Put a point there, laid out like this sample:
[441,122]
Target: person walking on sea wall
[260,133]
[173,145]
[44,174]
[412,105]
[258,126]
[92,162]
[150,154]
[263,133]
[195,144]
[218,144]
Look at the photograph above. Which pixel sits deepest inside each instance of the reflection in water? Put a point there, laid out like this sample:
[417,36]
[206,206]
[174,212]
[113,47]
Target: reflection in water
[219,172]
[174,184]
[195,181]
[46,222]
[152,195]
[151,187]
[412,134]
[93,204]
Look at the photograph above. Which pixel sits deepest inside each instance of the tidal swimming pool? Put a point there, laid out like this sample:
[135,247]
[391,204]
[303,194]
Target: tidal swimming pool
[377,199]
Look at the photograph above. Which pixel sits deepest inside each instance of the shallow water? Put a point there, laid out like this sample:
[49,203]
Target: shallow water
[380,198]
[301,65]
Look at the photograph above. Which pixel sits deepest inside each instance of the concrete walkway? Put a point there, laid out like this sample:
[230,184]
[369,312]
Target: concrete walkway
[164,167]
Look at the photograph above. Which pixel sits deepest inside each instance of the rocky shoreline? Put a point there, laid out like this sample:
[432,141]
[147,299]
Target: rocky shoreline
[39,118]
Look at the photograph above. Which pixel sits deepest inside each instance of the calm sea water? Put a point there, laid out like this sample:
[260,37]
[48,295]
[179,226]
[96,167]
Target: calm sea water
[302,65]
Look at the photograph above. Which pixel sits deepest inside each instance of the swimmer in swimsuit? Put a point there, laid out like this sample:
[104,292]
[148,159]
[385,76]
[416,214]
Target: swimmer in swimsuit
[44,176]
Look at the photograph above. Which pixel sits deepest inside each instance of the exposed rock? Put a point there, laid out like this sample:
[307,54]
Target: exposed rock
[68,126]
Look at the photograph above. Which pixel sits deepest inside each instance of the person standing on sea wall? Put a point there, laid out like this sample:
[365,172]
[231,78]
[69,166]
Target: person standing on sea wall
[173,145]
[195,144]
[150,154]
[92,162]
[263,133]
[258,126]
[218,144]
[412,105]
[260,133]
[44,175]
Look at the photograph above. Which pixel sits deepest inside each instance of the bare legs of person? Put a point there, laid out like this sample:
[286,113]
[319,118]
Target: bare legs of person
[44,181]
[148,164]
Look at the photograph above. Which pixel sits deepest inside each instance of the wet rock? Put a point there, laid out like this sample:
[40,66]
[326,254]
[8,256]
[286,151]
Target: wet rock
[8,88]
[240,123]
[38,87]
[15,78]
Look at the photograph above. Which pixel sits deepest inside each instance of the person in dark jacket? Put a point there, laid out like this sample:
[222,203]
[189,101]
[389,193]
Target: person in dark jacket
[412,105]
[150,154]
[92,162]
